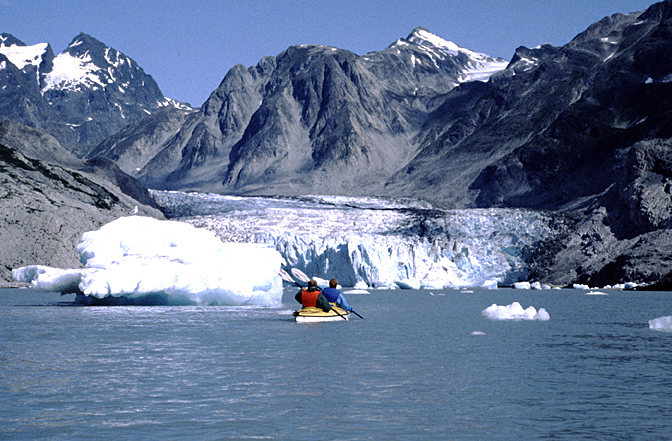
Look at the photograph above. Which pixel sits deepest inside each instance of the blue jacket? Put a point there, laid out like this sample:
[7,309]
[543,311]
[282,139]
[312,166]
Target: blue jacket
[335,296]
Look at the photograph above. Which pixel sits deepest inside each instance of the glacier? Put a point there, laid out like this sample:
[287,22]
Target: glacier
[381,243]
[228,250]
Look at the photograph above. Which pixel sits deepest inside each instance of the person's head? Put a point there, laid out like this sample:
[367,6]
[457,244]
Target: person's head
[312,283]
[333,283]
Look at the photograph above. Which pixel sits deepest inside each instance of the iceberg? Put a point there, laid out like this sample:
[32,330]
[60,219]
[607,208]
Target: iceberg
[515,311]
[135,257]
[661,324]
[381,243]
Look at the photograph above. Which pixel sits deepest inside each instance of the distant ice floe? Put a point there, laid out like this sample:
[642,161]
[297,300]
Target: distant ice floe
[515,311]
[356,291]
[135,257]
[528,285]
[661,324]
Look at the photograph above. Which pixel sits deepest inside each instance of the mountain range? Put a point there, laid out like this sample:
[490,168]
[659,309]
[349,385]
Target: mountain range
[581,130]
[81,96]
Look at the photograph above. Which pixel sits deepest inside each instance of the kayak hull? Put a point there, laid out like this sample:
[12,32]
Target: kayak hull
[315,315]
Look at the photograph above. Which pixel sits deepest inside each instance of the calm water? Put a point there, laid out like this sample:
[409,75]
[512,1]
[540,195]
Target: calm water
[411,370]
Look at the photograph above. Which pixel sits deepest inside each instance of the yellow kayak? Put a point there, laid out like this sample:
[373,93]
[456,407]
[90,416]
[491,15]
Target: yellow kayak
[311,314]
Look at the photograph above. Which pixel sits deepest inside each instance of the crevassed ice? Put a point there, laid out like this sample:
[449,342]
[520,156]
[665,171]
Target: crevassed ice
[380,242]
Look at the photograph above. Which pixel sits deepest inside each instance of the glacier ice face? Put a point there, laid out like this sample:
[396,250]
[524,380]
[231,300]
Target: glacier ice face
[384,243]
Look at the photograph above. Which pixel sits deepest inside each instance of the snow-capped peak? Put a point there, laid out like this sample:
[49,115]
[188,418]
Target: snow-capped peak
[422,36]
[476,66]
[87,63]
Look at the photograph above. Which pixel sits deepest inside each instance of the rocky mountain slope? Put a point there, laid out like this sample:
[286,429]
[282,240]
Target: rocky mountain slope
[558,129]
[81,96]
[315,119]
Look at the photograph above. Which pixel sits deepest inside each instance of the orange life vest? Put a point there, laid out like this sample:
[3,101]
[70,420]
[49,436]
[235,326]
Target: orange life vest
[309,298]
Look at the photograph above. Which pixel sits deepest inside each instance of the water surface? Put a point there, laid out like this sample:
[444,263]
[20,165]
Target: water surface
[420,365]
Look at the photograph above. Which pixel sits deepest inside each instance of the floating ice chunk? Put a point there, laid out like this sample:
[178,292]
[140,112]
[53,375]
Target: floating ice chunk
[45,278]
[580,286]
[356,291]
[661,323]
[361,285]
[490,284]
[535,285]
[137,256]
[596,293]
[542,315]
[522,285]
[478,333]
[322,283]
[515,311]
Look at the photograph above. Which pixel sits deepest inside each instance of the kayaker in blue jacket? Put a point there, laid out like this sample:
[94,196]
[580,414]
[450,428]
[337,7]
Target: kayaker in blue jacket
[335,296]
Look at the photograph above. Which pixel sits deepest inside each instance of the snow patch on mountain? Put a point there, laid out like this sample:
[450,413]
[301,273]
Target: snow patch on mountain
[21,56]
[169,102]
[71,73]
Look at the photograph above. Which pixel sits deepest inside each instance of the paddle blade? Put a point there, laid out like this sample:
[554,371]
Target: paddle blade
[285,276]
[300,275]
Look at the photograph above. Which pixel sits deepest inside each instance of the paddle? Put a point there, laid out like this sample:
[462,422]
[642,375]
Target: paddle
[288,278]
[300,275]
[304,278]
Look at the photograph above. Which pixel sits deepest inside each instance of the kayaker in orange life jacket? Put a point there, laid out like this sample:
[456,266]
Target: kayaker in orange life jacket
[312,296]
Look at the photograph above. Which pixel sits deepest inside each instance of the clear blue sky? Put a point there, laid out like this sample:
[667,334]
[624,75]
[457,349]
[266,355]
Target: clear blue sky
[188,46]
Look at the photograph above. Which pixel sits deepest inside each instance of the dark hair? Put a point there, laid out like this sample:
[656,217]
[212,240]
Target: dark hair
[333,283]
[312,283]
